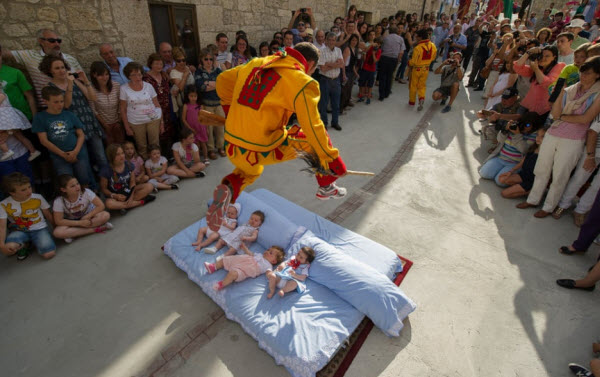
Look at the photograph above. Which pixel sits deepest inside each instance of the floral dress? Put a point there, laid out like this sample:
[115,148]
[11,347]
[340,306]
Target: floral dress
[163,95]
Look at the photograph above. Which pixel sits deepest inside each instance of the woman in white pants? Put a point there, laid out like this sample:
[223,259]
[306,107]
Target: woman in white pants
[573,112]
[588,162]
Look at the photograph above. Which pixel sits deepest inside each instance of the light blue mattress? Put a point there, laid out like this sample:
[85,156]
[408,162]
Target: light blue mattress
[303,331]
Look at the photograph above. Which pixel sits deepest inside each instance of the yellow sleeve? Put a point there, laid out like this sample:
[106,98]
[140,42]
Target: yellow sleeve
[416,56]
[226,84]
[306,106]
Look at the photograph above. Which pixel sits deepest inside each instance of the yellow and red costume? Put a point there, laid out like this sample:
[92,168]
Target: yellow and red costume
[423,54]
[259,97]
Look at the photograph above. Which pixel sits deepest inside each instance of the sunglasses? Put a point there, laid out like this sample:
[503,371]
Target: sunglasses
[301,24]
[52,40]
[208,59]
[179,60]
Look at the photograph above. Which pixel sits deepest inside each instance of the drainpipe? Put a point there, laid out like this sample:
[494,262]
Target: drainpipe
[423,9]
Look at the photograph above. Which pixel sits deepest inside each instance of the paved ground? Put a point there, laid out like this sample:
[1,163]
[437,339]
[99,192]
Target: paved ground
[483,279]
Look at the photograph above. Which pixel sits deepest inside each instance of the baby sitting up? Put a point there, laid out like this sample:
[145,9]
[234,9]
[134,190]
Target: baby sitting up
[249,265]
[228,226]
[290,275]
[244,234]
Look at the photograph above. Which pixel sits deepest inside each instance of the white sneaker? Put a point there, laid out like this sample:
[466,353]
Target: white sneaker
[7,155]
[108,226]
[209,250]
[331,191]
[34,155]
[68,240]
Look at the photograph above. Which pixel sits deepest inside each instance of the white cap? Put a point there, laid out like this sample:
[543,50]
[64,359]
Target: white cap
[237,206]
[576,23]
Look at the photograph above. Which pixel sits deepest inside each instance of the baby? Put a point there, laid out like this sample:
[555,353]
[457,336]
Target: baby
[244,234]
[291,275]
[249,265]
[228,226]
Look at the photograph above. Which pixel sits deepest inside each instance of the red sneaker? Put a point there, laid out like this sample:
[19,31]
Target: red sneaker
[218,208]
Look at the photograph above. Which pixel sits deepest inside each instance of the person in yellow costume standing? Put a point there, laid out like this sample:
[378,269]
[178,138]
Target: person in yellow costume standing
[259,97]
[423,54]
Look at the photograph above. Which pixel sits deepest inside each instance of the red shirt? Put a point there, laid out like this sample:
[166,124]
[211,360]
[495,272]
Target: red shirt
[369,64]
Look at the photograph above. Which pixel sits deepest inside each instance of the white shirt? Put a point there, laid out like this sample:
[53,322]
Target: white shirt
[26,215]
[224,57]
[182,152]
[77,209]
[330,56]
[140,107]
[318,46]
[263,264]
[567,59]
[155,167]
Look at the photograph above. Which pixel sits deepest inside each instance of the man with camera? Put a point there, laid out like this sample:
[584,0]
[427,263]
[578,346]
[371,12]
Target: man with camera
[452,74]
[508,107]
[457,42]
[300,32]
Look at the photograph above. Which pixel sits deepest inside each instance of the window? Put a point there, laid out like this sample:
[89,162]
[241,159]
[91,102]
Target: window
[176,24]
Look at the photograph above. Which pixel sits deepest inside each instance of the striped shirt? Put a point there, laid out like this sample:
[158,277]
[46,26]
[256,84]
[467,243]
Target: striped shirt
[31,59]
[509,151]
[106,106]
[327,55]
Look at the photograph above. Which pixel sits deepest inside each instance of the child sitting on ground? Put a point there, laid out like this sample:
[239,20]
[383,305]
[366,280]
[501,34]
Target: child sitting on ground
[246,233]
[520,178]
[241,267]
[156,168]
[11,122]
[117,183]
[229,224]
[132,156]
[291,274]
[187,158]
[78,213]
[25,213]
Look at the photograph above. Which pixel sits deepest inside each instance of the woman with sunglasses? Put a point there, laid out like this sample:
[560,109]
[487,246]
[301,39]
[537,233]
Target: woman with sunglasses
[180,76]
[206,80]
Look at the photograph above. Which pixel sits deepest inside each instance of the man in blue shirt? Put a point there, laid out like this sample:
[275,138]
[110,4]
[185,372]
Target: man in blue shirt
[456,42]
[115,64]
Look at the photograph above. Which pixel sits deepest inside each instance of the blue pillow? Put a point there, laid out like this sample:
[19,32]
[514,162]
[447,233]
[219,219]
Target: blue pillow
[276,230]
[367,289]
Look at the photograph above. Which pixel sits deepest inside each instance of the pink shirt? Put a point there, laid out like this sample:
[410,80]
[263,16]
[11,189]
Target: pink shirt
[139,165]
[537,98]
[573,131]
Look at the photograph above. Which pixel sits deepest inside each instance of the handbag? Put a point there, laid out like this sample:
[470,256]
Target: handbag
[485,72]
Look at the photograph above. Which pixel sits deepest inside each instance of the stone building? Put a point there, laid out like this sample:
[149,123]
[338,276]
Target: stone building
[135,27]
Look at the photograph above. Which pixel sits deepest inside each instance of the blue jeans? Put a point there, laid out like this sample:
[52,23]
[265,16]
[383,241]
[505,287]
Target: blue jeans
[20,164]
[80,169]
[494,167]
[96,152]
[42,239]
[330,91]
[403,64]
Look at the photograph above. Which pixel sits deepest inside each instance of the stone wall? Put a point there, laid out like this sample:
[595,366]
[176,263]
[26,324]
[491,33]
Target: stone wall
[84,24]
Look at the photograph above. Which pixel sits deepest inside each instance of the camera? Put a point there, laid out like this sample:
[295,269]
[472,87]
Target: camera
[302,10]
[535,57]
[74,74]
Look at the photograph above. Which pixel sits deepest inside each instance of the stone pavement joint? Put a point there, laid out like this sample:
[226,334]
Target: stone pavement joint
[356,200]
